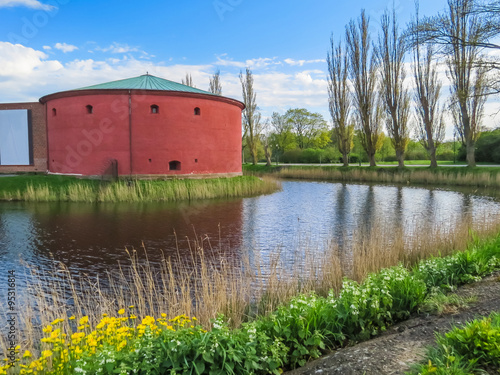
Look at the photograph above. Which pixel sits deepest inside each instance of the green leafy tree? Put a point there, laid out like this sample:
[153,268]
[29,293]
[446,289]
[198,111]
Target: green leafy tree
[282,138]
[306,125]
[387,148]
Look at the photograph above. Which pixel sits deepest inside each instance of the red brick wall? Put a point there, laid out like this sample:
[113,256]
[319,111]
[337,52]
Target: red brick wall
[85,143]
[39,128]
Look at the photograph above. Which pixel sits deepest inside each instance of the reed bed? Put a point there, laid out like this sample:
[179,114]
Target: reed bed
[458,176]
[45,189]
[239,286]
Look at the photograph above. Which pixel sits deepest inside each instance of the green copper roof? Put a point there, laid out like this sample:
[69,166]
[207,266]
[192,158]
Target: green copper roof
[145,82]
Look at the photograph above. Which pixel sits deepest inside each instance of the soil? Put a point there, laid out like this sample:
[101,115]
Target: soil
[404,344]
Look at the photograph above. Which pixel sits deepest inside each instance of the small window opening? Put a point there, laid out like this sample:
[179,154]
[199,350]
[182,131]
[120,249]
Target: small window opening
[90,109]
[196,160]
[197,111]
[54,112]
[150,160]
[155,109]
[174,165]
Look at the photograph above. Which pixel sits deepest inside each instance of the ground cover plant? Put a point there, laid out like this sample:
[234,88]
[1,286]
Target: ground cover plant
[470,349]
[295,332]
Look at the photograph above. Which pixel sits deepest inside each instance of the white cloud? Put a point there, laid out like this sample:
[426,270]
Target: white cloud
[65,47]
[28,74]
[33,4]
[293,62]
[223,61]
[47,48]
[261,62]
[119,48]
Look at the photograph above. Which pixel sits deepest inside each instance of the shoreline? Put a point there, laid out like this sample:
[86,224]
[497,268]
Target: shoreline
[484,177]
[54,188]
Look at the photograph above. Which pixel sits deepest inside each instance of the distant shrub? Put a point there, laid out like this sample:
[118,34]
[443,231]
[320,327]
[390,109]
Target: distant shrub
[488,147]
[446,155]
[312,156]
[416,155]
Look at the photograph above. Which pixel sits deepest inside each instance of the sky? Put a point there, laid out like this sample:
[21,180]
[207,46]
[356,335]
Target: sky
[48,46]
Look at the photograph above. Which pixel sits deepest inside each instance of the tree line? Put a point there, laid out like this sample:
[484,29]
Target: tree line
[368,90]
[368,87]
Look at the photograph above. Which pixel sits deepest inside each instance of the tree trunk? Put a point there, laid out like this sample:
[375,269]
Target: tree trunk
[400,155]
[431,148]
[471,158]
[432,152]
[345,159]
[268,155]
[373,163]
[254,156]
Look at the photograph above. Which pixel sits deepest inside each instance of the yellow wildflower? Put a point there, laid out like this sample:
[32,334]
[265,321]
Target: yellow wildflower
[84,320]
[59,320]
[27,354]
[121,311]
[121,345]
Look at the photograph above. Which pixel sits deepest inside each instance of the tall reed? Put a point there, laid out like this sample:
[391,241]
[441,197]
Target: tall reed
[75,190]
[458,176]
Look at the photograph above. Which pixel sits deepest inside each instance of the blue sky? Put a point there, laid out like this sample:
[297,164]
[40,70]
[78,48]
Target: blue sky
[53,45]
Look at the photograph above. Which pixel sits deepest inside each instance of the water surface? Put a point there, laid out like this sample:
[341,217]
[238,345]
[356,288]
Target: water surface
[92,238]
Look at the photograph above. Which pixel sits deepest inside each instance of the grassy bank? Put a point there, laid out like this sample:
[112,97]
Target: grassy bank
[274,316]
[452,176]
[37,188]
[286,338]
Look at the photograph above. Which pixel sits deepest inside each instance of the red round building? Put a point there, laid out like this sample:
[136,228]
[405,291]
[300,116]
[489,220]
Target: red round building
[143,126]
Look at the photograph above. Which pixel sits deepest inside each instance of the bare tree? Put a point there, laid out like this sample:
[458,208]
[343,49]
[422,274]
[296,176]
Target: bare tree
[339,93]
[396,99]
[475,108]
[461,33]
[430,123]
[466,80]
[215,84]
[251,116]
[188,81]
[363,74]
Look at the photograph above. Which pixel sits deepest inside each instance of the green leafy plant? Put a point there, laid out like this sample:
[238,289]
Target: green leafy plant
[466,350]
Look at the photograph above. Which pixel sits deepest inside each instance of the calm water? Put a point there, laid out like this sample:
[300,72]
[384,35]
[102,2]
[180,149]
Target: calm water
[92,238]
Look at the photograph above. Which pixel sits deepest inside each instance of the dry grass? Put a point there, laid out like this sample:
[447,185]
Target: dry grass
[49,189]
[425,176]
[211,282]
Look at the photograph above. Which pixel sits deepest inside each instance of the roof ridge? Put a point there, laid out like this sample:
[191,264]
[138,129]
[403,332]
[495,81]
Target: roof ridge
[146,82]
